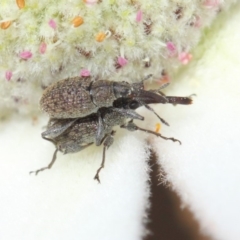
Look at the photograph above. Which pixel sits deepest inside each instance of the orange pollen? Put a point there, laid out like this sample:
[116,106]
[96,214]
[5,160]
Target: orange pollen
[77,21]
[20,3]
[158,126]
[5,25]
[100,37]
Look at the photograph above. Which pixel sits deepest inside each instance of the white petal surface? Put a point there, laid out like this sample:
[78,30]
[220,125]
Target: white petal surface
[65,202]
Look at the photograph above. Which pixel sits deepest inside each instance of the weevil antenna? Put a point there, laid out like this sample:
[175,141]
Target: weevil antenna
[147,77]
[140,85]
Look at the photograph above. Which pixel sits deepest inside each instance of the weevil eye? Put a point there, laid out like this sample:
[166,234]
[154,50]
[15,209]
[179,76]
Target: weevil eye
[133,105]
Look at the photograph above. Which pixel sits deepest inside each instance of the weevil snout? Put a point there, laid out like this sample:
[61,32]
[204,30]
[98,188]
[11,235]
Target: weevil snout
[147,97]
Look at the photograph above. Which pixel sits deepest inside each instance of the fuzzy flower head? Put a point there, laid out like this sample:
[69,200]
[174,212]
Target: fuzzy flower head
[46,42]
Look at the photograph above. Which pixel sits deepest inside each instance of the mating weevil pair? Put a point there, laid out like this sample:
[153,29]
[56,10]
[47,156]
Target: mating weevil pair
[84,111]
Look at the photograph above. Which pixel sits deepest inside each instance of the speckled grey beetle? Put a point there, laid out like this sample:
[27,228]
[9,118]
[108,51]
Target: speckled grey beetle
[73,135]
[79,97]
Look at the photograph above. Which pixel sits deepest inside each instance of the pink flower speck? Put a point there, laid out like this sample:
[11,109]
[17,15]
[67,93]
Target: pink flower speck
[184,57]
[8,75]
[43,47]
[211,3]
[163,81]
[25,55]
[90,2]
[85,73]
[197,22]
[139,16]
[52,24]
[171,47]
[122,61]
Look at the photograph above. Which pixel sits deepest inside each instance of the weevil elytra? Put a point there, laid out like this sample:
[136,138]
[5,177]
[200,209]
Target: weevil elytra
[74,135]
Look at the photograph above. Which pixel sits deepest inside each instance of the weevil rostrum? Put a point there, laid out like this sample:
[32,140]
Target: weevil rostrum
[73,135]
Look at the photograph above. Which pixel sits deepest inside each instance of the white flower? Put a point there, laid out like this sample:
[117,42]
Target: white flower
[66,203]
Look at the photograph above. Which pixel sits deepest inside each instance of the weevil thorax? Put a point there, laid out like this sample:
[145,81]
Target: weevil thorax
[102,93]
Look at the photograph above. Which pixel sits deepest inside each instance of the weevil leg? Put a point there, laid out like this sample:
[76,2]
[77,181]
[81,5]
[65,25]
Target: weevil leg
[49,165]
[106,144]
[128,113]
[133,127]
[161,119]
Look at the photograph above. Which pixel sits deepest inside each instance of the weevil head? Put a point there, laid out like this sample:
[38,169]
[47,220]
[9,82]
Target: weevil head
[122,89]
[126,103]
[138,99]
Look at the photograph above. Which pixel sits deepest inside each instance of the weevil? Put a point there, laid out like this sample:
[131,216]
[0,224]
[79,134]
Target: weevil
[78,97]
[125,107]
[74,135]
